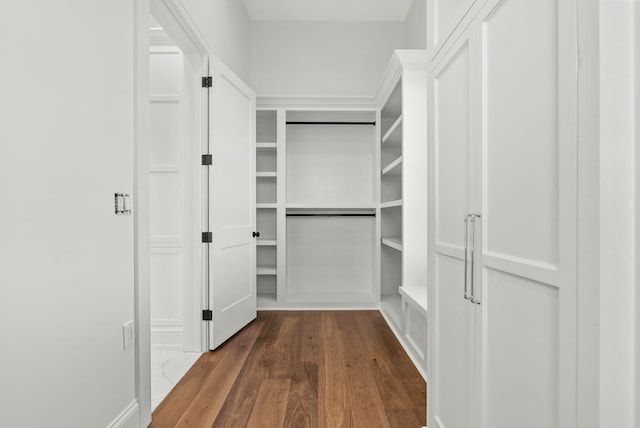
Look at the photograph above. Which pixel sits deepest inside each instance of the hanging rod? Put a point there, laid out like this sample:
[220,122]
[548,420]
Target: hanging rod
[331,123]
[330,215]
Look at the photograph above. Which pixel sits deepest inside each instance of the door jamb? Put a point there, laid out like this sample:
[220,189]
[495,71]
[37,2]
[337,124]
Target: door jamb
[174,18]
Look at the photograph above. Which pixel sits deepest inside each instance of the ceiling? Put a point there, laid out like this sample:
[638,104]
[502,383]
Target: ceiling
[328,10]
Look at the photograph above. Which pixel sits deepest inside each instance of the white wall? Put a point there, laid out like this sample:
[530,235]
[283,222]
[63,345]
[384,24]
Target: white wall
[225,26]
[416,26]
[321,58]
[66,259]
[617,214]
[637,206]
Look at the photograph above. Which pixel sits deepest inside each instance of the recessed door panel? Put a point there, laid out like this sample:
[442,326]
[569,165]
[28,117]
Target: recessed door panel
[521,357]
[453,345]
[452,149]
[521,119]
[527,266]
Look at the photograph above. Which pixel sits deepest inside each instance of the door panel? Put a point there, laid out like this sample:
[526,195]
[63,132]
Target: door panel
[454,344]
[527,265]
[521,131]
[522,328]
[232,254]
[452,149]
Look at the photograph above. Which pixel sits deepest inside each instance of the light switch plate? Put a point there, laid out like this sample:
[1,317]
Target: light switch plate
[127,335]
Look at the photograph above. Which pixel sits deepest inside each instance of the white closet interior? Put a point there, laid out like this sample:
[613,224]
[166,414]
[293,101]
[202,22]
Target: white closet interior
[315,202]
[332,192]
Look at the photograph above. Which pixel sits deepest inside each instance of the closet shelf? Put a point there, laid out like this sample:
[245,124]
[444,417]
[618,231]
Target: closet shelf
[394,134]
[394,242]
[266,270]
[390,204]
[266,174]
[416,297]
[266,243]
[266,146]
[266,205]
[306,206]
[394,168]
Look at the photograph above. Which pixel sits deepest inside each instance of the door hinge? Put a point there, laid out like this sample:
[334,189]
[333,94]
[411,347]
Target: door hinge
[207,237]
[207,82]
[207,159]
[207,315]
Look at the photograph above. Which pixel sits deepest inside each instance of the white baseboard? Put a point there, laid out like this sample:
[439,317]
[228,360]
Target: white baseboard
[407,347]
[129,418]
[166,333]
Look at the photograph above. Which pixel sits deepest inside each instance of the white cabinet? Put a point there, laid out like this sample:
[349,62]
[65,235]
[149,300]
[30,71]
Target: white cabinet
[402,98]
[502,147]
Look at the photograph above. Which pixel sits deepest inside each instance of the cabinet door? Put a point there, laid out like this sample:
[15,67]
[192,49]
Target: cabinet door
[453,317]
[527,264]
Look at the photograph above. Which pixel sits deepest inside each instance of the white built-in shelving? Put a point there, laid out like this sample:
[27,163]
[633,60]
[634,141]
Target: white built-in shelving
[316,201]
[266,203]
[403,201]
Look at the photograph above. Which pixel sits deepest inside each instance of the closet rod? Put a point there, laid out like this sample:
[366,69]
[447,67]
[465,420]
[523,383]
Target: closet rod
[331,215]
[331,123]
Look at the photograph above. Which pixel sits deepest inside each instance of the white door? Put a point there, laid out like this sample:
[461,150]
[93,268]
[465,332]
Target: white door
[453,316]
[66,258]
[527,72]
[232,255]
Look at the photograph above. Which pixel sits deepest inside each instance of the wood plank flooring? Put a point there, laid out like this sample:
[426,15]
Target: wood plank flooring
[326,369]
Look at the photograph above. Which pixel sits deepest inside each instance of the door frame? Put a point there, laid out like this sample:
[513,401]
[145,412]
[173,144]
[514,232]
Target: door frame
[175,20]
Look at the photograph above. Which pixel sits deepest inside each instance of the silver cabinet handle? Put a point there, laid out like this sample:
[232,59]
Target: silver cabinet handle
[466,255]
[473,247]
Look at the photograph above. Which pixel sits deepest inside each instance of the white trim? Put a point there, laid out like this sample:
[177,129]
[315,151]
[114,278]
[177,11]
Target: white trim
[181,28]
[128,418]
[165,168]
[158,37]
[406,346]
[142,299]
[264,305]
[164,99]
[167,332]
[316,103]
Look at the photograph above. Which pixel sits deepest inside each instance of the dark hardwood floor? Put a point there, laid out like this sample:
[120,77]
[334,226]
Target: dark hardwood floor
[328,369]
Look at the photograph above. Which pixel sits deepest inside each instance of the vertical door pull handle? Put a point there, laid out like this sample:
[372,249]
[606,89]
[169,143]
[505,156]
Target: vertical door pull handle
[473,248]
[466,255]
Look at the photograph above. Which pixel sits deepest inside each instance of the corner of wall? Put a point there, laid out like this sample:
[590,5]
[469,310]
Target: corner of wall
[416,26]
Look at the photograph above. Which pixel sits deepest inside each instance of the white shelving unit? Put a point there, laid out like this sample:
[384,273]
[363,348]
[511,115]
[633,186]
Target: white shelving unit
[266,204]
[317,198]
[331,197]
[403,201]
